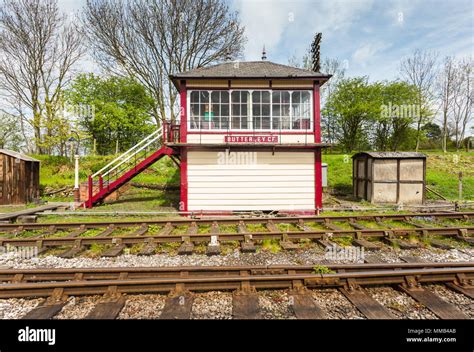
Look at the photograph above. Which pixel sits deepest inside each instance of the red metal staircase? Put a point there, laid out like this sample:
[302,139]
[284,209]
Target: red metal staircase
[128,165]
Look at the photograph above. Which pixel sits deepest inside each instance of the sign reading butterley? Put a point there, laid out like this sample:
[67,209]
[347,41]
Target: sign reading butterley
[251,139]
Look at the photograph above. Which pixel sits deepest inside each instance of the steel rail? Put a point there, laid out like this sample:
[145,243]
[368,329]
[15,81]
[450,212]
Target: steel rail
[65,274]
[245,220]
[234,282]
[458,232]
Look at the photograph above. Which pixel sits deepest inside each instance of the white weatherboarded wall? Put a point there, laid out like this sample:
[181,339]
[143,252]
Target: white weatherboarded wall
[250,181]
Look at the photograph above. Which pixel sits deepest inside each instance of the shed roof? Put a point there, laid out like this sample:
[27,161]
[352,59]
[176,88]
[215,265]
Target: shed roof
[391,155]
[249,69]
[18,155]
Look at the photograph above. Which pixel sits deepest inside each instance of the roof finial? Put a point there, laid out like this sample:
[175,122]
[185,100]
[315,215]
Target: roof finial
[228,56]
[264,54]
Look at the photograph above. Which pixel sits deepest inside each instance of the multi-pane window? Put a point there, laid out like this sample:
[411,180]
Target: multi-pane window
[199,110]
[281,110]
[301,110]
[261,110]
[209,111]
[251,110]
[220,110]
[240,110]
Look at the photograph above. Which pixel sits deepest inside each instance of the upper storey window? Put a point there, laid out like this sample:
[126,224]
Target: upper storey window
[245,110]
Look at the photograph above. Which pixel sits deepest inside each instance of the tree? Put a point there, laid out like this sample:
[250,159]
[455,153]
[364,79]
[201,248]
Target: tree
[118,109]
[38,49]
[150,40]
[10,132]
[335,68]
[463,97]
[432,131]
[419,69]
[353,105]
[399,111]
[446,88]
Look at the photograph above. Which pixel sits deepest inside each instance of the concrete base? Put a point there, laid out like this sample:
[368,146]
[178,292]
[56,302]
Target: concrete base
[248,247]
[27,219]
[186,248]
[213,250]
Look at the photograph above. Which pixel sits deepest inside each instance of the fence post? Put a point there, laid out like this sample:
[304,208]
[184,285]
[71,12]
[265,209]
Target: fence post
[460,185]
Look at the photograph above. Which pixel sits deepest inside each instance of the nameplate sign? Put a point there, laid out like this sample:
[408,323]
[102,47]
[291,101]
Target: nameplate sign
[251,139]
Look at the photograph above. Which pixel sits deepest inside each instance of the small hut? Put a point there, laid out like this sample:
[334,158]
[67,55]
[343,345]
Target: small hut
[390,177]
[19,178]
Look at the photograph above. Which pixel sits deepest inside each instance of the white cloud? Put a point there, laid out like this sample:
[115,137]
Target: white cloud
[267,22]
[368,51]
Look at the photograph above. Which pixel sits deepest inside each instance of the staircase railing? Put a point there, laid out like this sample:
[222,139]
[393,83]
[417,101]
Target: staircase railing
[123,163]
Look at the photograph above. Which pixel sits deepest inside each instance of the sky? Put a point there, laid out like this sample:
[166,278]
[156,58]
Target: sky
[369,36]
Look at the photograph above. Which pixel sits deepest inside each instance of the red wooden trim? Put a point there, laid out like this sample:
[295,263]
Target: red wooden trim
[183,112]
[119,182]
[183,166]
[90,191]
[248,88]
[318,179]
[247,147]
[309,132]
[301,78]
[237,212]
[317,113]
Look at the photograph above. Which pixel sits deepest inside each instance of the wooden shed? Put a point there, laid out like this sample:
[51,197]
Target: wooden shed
[19,178]
[390,177]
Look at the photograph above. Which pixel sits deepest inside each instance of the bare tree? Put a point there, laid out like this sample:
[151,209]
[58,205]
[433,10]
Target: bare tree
[462,100]
[337,69]
[150,40]
[420,70]
[38,47]
[446,87]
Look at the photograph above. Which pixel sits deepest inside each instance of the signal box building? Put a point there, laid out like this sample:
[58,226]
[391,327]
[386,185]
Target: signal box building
[249,138]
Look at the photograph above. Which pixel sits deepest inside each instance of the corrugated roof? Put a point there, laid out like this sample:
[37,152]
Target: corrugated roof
[392,155]
[250,69]
[18,155]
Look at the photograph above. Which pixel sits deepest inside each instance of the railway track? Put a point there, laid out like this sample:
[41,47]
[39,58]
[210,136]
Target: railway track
[180,283]
[363,230]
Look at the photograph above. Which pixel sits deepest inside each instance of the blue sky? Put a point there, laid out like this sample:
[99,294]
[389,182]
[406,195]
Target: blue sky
[369,36]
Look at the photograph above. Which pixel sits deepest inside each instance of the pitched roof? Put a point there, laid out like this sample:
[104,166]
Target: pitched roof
[392,155]
[17,155]
[249,69]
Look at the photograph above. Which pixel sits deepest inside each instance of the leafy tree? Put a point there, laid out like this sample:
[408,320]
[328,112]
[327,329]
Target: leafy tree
[432,131]
[111,109]
[10,132]
[399,111]
[354,105]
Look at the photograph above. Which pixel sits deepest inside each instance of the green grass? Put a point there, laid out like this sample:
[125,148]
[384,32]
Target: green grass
[321,269]
[272,246]
[441,174]
[58,172]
